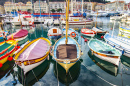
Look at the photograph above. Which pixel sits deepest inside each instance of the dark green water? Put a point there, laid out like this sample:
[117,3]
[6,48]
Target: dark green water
[88,71]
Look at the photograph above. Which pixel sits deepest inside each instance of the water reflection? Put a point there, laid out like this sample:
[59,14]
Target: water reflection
[125,60]
[106,66]
[34,75]
[71,76]
[6,68]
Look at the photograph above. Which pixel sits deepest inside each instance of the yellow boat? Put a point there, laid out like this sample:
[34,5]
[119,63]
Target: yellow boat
[7,48]
[33,54]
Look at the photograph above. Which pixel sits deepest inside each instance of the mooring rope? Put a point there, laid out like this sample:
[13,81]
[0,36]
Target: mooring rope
[57,73]
[98,75]
[70,76]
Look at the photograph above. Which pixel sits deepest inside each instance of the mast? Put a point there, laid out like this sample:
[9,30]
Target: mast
[67,26]
[82,6]
[71,6]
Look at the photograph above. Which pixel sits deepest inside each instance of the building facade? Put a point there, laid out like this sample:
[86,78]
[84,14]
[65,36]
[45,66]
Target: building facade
[2,10]
[115,6]
[40,6]
[10,6]
[100,6]
[57,5]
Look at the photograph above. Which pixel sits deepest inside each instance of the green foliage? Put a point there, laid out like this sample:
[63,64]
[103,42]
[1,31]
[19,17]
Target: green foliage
[53,10]
[59,10]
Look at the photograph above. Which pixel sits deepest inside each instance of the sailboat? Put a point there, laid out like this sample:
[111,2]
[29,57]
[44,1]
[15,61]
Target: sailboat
[66,50]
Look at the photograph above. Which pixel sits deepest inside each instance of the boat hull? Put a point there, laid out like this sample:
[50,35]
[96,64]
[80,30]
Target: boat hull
[112,60]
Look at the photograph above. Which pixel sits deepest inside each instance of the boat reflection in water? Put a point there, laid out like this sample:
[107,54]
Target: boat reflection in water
[125,60]
[5,68]
[71,76]
[104,65]
[34,75]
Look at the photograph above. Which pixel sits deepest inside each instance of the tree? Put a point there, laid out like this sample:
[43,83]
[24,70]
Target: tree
[53,10]
[13,10]
[28,10]
[8,12]
[58,10]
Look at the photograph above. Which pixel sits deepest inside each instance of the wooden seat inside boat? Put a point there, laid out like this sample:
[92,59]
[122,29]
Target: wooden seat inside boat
[66,51]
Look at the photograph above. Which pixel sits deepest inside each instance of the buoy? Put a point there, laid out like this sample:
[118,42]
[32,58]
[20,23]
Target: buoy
[102,37]
[85,40]
[10,58]
[111,28]
[1,65]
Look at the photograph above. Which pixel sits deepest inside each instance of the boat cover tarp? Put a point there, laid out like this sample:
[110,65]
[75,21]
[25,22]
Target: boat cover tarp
[66,51]
[36,50]
[107,52]
[19,34]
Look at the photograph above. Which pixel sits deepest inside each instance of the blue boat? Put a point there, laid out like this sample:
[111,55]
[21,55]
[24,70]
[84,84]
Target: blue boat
[120,43]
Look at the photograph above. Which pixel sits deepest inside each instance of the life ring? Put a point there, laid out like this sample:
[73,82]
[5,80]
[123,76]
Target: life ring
[71,34]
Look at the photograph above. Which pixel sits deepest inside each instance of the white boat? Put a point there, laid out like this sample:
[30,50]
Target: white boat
[104,51]
[48,20]
[54,33]
[38,20]
[71,32]
[74,20]
[124,32]
[33,54]
[56,22]
[99,31]
[120,43]
[88,32]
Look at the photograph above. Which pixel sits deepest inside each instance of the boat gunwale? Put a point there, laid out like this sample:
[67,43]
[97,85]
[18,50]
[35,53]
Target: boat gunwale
[67,60]
[27,45]
[116,56]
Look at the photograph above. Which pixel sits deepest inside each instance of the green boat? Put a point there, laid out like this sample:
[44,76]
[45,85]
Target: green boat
[104,51]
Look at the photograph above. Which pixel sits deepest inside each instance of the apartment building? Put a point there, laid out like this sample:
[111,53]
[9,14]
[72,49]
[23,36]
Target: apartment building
[10,6]
[57,5]
[2,10]
[42,5]
[100,6]
[114,6]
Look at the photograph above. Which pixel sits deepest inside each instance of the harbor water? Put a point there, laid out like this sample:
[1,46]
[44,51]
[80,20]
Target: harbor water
[88,71]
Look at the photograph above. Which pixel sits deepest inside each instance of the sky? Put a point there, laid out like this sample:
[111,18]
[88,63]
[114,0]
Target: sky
[127,1]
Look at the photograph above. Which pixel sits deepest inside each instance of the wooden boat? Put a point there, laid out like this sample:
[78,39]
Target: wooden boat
[7,48]
[104,65]
[66,50]
[120,43]
[104,51]
[33,54]
[71,32]
[54,33]
[88,32]
[99,31]
[72,76]
[39,72]
[20,36]
[124,32]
